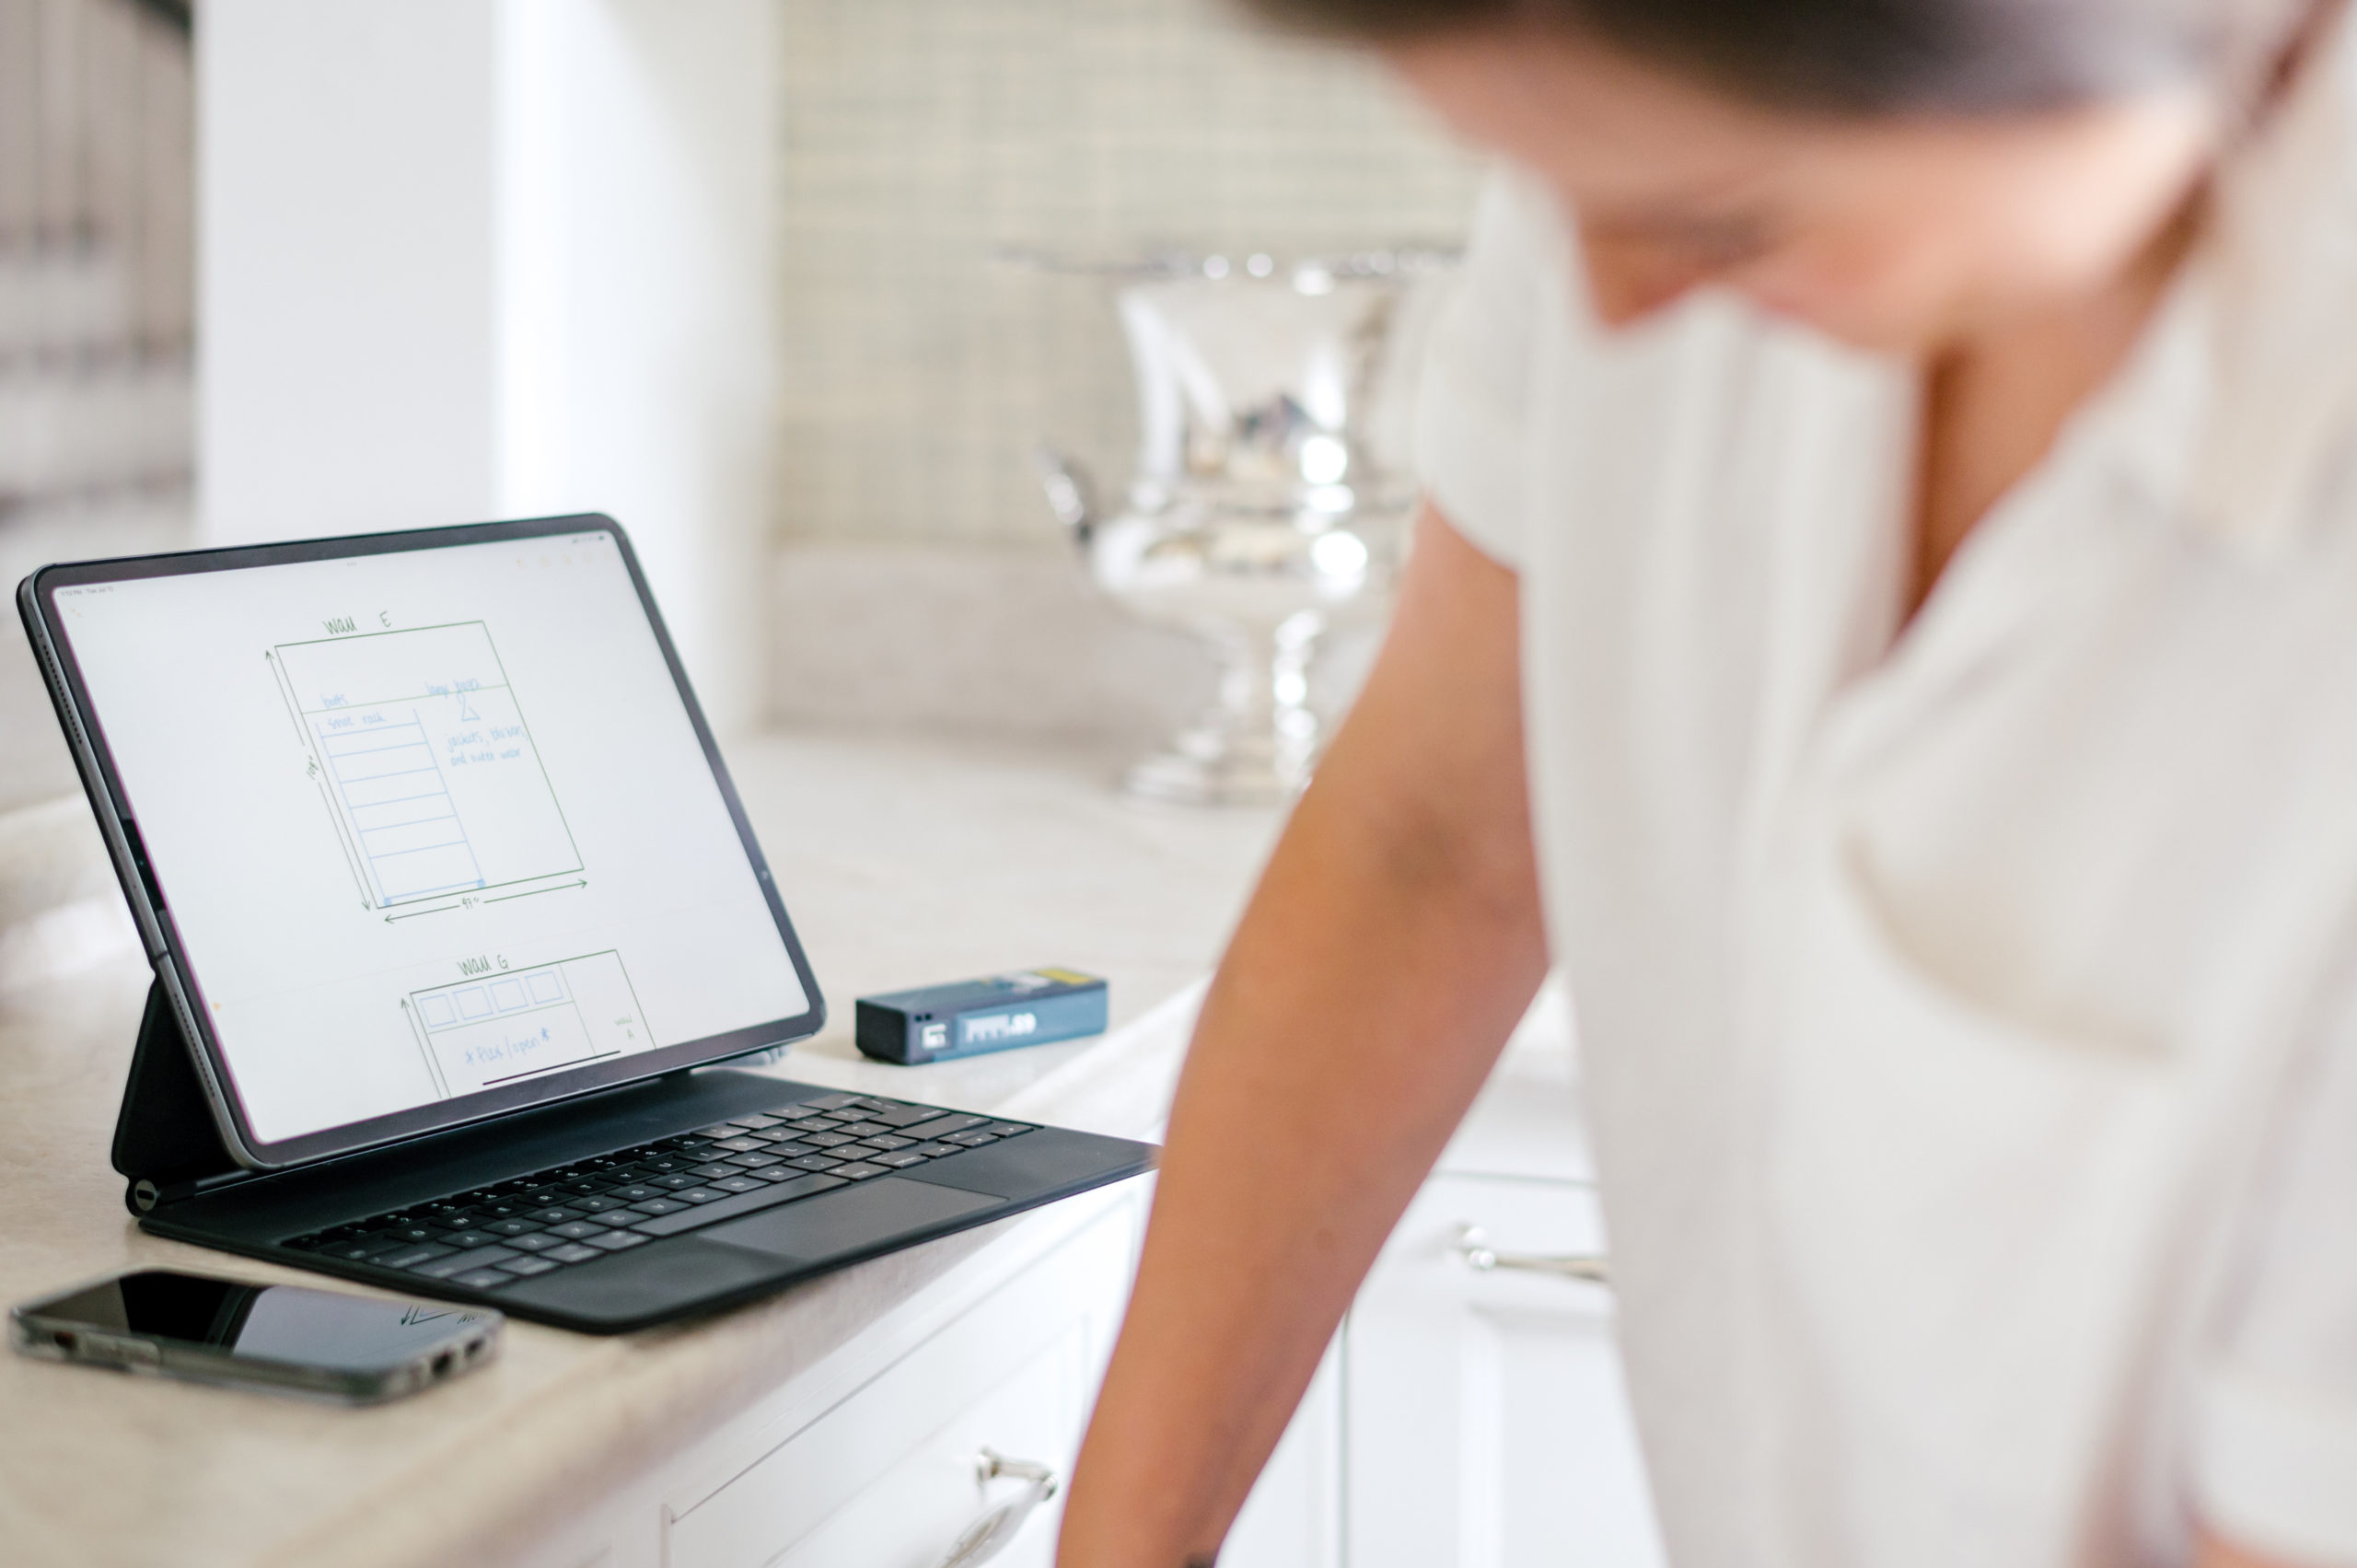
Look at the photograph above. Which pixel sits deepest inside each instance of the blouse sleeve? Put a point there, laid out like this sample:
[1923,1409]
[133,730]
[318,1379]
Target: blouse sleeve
[1474,414]
[2275,1443]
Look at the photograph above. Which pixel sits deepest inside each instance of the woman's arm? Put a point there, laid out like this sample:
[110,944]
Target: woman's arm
[1393,942]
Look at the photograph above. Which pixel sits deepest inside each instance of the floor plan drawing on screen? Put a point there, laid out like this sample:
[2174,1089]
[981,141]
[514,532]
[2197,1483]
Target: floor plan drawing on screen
[423,755]
[505,1025]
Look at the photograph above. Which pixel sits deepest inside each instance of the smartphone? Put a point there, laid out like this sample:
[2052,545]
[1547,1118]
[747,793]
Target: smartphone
[283,1339]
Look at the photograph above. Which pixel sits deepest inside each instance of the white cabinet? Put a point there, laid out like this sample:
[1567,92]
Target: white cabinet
[1486,1426]
[888,1476]
[1472,1418]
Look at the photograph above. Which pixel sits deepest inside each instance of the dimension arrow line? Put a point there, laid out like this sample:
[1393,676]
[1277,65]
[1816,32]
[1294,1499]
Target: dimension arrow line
[413,914]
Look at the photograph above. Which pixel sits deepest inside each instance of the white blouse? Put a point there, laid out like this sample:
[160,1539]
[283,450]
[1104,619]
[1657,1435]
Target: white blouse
[1968,1016]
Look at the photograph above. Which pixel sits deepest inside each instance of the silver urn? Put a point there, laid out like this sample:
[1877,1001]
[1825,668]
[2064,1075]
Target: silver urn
[1272,501]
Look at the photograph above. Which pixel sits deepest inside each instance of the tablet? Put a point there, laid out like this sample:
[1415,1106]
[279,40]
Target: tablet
[418,827]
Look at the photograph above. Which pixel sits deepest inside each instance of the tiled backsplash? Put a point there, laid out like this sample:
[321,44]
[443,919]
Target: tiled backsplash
[920,137]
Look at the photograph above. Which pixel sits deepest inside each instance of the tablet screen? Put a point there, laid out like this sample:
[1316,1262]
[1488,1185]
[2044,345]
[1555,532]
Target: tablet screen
[435,828]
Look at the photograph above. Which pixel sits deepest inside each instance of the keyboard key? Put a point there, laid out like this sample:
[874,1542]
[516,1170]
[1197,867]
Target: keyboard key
[584,1185]
[815,1161]
[536,1242]
[830,1102]
[483,1279]
[414,1232]
[883,1143]
[623,1176]
[934,1151]
[717,1130]
[903,1115]
[941,1127]
[900,1161]
[826,1140]
[716,1168]
[784,1171]
[813,1124]
[552,1217]
[678,1183]
[618,1240]
[864,1128]
[752,1162]
[663,1164]
[660,1206]
[572,1252]
[500,1211]
[598,1206]
[460,1262]
[786,1148]
[577,1230]
[527,1267]
[463,1239]
[1006,1128]
[359,1252]
[738,1145]
[757,1121]
[858,1171]
[698,1195]
[744,1204]
[512,1227]
[412,1256]
[738,1184]
[970,1140]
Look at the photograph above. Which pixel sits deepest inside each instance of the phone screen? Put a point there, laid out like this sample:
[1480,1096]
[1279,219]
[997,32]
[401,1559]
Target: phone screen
[278,1323]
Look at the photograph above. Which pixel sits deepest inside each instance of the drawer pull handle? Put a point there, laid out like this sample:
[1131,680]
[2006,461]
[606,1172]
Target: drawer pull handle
[988,1536]
[1474,1246]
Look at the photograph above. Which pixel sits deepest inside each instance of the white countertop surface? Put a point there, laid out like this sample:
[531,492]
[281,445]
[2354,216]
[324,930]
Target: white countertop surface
[902,862]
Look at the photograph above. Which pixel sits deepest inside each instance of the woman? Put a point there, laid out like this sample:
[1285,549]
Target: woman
[1893,497]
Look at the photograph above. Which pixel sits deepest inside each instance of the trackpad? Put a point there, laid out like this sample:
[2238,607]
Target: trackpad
[866,1217]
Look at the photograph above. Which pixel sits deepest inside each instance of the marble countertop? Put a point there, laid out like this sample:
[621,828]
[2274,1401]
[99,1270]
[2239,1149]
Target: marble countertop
[901,862]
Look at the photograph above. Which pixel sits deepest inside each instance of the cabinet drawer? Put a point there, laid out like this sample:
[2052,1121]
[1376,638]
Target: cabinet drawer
[887,1478]
[1487,1423]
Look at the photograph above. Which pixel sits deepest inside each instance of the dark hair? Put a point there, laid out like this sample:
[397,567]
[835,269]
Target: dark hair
[1851,56]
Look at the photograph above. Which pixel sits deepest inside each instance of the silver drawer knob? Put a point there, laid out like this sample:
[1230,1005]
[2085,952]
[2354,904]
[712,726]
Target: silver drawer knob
[991,1534]
[1474,1246]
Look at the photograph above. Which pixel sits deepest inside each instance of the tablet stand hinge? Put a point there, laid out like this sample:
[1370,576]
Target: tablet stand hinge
[165,1139]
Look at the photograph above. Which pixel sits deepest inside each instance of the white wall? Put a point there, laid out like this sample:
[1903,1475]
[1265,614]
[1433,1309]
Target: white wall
[921,136]
[472,259]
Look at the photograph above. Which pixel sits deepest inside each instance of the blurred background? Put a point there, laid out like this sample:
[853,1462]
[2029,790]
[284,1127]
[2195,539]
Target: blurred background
[97,438]
[729,269]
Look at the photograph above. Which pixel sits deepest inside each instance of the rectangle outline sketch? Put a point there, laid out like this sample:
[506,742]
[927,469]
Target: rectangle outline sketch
[413,1012]
[364,862]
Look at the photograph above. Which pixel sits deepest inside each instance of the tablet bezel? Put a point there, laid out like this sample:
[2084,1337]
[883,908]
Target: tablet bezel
[85,733]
